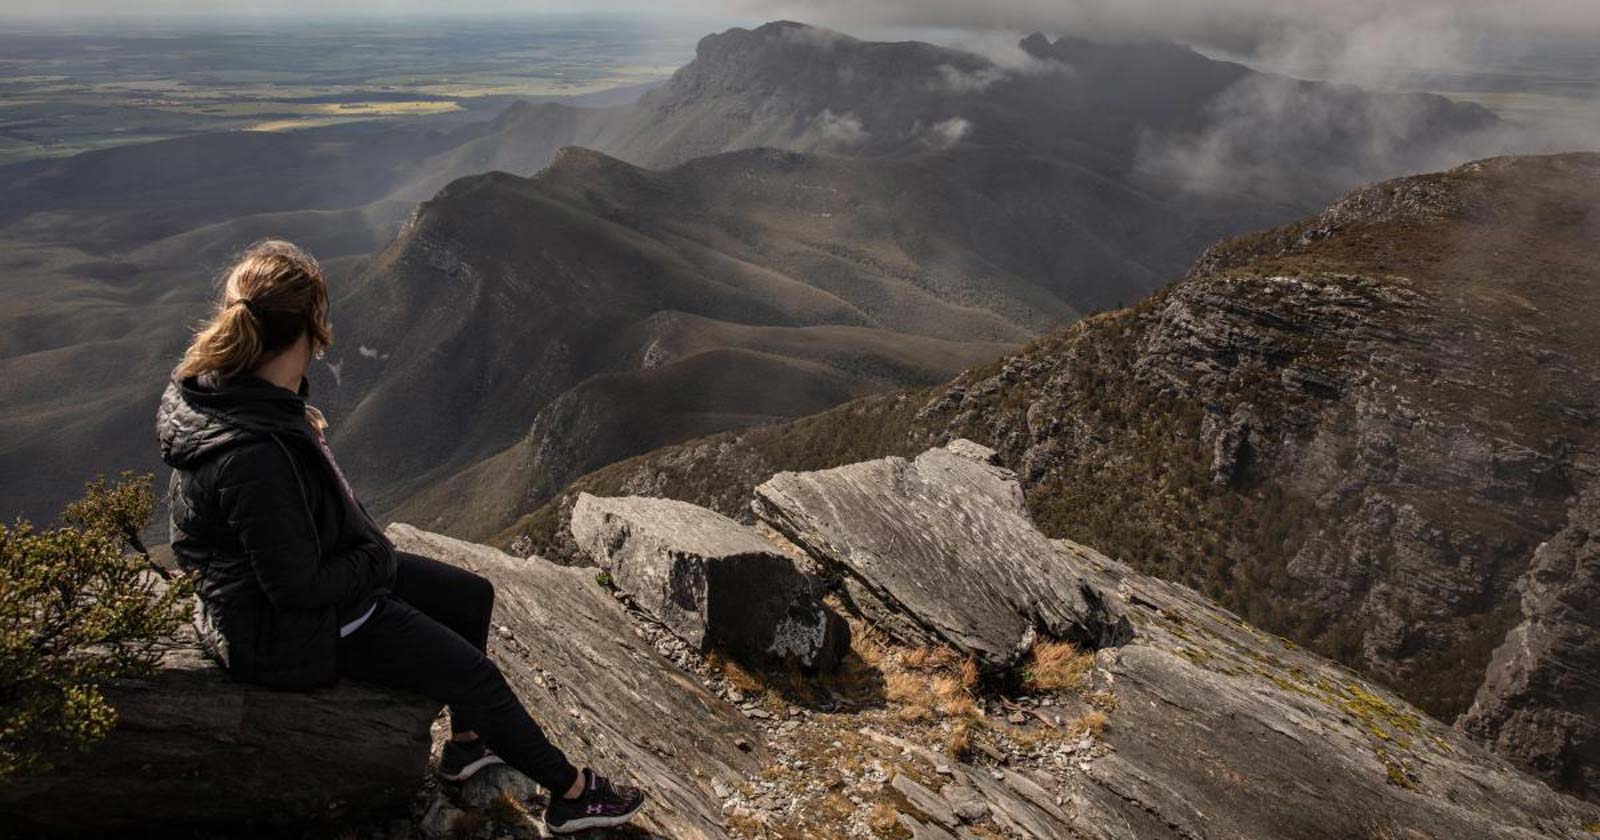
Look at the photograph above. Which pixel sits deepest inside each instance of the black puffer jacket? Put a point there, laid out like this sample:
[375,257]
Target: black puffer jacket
[280,554]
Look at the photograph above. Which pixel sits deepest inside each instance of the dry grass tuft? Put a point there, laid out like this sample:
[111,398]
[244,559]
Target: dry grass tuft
[1092,723]
[1057,666]
[912,713]
[969,674]
[902,687]
[734,673]
[882,819]
[868,643]
[959,741]
[925,683]
[928,658]
[838,807]
[505,810]
[1105,701]
[953,697]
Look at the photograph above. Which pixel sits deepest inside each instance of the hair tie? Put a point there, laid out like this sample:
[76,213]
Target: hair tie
[249,305]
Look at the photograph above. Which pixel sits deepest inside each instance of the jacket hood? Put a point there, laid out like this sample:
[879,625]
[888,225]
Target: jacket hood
[199,417]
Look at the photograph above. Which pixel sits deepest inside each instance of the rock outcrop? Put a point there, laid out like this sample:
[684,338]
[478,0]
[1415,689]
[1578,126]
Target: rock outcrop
[714,583]
[1180,721]
[604,690]
[1354,430]
[1216,729]
[1540,703]
[941,550]
[192,747]
[1185,722]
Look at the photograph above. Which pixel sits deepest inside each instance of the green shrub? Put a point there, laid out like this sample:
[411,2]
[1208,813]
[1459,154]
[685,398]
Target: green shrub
[79,605]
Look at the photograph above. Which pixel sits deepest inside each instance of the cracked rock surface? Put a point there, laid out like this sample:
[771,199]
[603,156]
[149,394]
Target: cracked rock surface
[715,583]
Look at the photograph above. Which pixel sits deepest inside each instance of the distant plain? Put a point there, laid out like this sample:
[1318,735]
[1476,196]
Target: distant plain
[73,86]
[70,88]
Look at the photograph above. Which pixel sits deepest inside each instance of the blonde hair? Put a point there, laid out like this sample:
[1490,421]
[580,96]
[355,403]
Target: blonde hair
[271,296]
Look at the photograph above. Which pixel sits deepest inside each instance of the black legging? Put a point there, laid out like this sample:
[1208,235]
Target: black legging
[429,636]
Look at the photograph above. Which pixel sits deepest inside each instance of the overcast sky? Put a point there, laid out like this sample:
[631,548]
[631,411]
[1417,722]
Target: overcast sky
[1352,33]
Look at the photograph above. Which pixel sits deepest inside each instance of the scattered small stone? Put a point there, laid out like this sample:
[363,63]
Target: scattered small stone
[1017,718]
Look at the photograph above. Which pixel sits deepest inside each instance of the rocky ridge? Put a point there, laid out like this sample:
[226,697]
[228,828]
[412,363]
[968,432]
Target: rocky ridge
[1355,430]
[1191,724]
[1539,703]
[1187,723]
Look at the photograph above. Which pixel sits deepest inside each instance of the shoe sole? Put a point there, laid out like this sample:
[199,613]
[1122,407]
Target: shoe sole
[584,823]
[472,769]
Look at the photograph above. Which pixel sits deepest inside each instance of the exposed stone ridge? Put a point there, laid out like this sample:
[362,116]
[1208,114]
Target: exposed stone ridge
[1189,724]
[602,692]
[713,582]
[940,549]
[1540,702]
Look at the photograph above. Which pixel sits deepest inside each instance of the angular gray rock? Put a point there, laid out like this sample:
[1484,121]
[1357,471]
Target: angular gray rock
[194,748]
[1216,729]
[1540,701]
[713,582]
[603,694]
[941,549]
[1222,730]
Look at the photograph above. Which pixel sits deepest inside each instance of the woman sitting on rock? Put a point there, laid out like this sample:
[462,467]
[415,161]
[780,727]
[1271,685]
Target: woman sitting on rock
[297,584]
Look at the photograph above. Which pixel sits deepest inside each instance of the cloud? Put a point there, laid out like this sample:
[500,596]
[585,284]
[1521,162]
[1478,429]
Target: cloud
[1227,24]
[839,129]
[813,36]
[945,133]
[957,80]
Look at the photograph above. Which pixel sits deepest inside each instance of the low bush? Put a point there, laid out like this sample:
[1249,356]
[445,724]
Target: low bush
[79,605]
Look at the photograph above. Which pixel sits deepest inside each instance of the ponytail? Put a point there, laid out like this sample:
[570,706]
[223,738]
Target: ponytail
[228,345]
[271,296]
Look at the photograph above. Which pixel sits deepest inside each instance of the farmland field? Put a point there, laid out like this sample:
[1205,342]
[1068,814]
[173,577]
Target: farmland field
[68,90]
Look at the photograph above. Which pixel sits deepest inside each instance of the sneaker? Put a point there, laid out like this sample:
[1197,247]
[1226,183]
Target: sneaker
[601,805]
[460,759]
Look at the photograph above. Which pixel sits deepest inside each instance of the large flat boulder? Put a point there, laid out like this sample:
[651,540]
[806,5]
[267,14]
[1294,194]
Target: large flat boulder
[194,748]
[713,582]
[941,549]
[602,693]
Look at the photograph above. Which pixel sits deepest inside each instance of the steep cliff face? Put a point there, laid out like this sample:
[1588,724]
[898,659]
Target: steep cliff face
[1540,702]
[1354,430]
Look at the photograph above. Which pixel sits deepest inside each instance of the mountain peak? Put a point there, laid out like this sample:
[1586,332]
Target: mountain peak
[1036,45]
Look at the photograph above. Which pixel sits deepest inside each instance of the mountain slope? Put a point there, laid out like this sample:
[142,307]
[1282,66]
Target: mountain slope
[644,308]
[1033,209]
[1355,429]
[1042,176]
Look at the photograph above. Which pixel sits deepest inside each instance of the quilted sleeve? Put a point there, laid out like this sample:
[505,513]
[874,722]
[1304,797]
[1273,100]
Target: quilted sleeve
[260,495]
